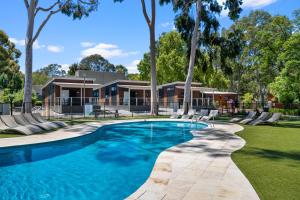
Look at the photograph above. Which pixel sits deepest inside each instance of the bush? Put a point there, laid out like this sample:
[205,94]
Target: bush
[286,111]
[247,99]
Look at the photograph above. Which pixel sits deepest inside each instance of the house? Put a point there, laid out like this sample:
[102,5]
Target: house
[126,94]
[68,94]
[171,95]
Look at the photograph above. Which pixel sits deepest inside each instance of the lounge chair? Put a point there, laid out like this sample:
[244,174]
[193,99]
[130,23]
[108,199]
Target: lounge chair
[44,125]
[248,119]
[272,120]
[177,114]
[12,124]
[263,117]
[250,115]
[212,114]
[203,112]
[190,114]
[40,119]
[19,129]
[19,119]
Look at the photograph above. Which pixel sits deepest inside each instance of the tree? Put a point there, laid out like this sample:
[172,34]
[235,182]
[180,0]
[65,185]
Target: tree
[75,8]
[10,76]
[96,63]
[171,58]
[151,25]
[287,85]
[134,77]
[144,68]
[121,69]
[39,78]
[73,68]
[52,70]
[205,18]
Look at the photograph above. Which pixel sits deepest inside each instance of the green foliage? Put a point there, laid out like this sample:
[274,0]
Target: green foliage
[96,63]
[144,68]
[10,75]
[121,69]
[78,9]
[52,70]
[171,59]
[39,78]
[73,68]
[287,85]
[286,111]
[134,77]
[16,97]
[247,99]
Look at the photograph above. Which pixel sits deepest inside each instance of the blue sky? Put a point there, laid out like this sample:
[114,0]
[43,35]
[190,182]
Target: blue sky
[117,31]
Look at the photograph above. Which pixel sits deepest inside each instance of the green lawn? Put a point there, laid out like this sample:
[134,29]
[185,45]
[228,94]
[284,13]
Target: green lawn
[271,160]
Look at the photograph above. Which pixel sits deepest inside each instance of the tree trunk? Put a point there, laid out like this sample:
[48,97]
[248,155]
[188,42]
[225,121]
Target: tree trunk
[194,44]
[154,107]
[27,102]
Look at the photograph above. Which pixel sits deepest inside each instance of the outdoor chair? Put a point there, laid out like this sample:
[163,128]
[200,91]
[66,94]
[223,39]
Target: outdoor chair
[40,119]
[263,117]
[19,119]
[212,114]
[248,119]
[272,120]
[12,125]
[44,125]
[203,112]
[190,114]
[177,115]
[250,115]
[20,129]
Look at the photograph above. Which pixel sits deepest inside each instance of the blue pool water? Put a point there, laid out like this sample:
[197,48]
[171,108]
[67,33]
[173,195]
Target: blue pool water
[110,163]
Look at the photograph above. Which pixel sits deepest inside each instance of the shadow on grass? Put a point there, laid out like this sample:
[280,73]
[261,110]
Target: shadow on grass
[271,154]
[287,125]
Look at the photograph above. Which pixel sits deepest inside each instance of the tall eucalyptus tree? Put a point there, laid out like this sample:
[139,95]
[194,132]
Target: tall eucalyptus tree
[151,25]
[204,22]
[75,8]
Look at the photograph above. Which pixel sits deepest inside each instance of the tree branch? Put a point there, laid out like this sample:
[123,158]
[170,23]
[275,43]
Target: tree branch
[46,9]
[145,13]
[26,4]
[44,23]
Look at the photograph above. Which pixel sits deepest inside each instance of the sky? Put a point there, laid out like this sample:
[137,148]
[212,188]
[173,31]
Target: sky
[117,31]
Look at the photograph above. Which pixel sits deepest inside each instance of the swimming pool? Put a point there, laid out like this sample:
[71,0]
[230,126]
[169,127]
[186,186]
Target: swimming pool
[110,163]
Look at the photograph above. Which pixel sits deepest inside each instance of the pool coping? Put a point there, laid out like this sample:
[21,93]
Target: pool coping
[200,168]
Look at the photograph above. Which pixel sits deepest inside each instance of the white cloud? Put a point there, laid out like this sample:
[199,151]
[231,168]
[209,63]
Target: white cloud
[257,3]
[132,67]
[65,67]
[166,24]
[17,42]
[252,4]
[87,44]
[55,49]
[36,44]
[107,51]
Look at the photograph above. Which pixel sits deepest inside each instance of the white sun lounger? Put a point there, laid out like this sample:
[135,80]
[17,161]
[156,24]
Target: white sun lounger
[212,114]
[250,115]
[177,114]
[40,119]
[203,112]
[190,114]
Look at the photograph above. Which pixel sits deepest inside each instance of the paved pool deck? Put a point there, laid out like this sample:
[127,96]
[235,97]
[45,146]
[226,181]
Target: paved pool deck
[200,169]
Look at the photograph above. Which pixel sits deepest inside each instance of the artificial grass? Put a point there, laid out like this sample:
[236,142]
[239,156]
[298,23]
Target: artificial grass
[9,135]
[271,160]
